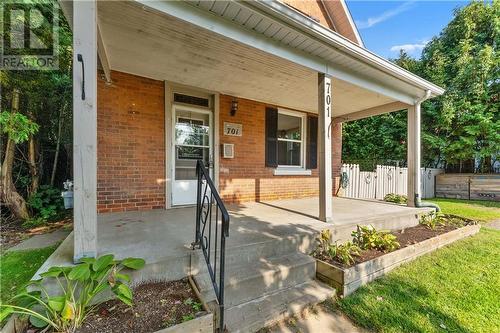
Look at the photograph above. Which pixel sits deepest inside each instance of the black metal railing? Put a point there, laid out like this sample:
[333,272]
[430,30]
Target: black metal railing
[212,229]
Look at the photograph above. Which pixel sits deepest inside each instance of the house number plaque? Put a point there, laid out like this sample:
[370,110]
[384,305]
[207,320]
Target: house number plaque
[233,129]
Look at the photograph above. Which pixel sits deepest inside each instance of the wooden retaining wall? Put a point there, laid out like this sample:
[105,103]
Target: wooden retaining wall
[468,186]
[347,280]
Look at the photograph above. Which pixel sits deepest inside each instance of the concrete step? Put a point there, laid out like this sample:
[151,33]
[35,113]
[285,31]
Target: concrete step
[245,282]
[272,307]
[252,252]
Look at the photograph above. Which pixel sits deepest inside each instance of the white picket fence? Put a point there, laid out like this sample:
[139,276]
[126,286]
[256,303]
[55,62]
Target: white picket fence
[384,180]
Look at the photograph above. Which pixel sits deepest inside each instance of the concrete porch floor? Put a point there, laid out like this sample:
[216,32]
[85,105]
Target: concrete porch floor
[163,237]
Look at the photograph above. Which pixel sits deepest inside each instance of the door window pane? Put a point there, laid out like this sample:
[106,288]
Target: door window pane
[192,143]
[191,132]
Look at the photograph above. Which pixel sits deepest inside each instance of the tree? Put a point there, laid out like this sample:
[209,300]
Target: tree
[464,123]
[44,98]
[18,129]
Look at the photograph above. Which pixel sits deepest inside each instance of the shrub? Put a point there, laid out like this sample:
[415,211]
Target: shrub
[396,198]
[368,238]
[46,203]
[343,253]
[431,221]
[434,220]
[33,222]
[80,287]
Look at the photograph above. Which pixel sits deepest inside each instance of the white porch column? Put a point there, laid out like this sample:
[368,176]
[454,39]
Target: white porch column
[413,156]
[85,128]
[325,147]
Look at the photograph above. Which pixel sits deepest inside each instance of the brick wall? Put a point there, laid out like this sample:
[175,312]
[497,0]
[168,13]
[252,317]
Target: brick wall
[131,150]
[245,178]
[131,144]
[312,8]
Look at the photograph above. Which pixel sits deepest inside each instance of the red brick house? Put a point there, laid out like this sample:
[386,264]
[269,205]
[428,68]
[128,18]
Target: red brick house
[257,90]
[165,70]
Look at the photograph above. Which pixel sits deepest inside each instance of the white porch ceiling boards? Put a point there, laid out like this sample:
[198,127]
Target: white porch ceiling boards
[148,43]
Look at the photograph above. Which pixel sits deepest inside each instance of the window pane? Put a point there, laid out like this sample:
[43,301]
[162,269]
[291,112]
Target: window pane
[192,131]
[289,127]
[185,161]
[289,153]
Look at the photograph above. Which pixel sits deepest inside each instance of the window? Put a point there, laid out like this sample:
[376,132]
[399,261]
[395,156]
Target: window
[290,137]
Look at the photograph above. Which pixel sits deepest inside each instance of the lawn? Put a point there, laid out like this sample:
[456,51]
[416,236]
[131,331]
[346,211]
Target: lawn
[472,209]
[18,267]
[454,289]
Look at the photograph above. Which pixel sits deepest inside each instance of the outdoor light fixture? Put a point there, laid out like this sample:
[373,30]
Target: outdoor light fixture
[234,107]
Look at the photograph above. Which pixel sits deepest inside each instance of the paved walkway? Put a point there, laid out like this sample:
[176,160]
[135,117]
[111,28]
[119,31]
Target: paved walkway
[494,225]
[323,320]
[41,241]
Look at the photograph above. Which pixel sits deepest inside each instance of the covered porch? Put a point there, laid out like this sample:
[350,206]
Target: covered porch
[264,51]
[163,237]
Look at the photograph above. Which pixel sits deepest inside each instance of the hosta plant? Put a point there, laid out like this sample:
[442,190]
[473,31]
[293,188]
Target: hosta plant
[432,221]
[80,287]
[343,253]
[396,198]
[368,238]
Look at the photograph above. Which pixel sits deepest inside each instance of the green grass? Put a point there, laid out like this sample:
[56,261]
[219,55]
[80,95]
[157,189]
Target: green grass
[472,209]
[18,267]
[455,289]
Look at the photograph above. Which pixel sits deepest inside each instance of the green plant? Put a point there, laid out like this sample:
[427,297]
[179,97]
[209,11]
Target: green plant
[33,222]
[80,287]
[17,126]
[195,305]
[324,243]
[46,203]
[432,220]
[345,253]
[387,242]
[396,198]
[368,238]
[187,317]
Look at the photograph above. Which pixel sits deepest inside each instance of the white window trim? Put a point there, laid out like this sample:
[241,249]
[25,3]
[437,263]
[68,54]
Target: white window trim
[290,170]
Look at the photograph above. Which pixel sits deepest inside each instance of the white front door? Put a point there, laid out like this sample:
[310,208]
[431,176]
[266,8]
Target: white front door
[192,141]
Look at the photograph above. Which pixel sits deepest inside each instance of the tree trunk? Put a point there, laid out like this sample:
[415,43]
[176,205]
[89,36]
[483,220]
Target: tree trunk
[58,146]
[35,179]
[8,192]
[10,197]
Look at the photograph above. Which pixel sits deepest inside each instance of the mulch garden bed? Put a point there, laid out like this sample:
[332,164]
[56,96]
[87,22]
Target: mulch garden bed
[157,305]
[405,237]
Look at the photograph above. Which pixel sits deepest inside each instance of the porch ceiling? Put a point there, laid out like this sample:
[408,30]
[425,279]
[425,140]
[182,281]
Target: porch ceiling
[151,44]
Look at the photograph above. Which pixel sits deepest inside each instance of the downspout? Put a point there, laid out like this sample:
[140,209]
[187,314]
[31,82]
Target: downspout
[417,189]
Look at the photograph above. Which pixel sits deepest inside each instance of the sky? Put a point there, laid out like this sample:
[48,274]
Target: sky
[388,26]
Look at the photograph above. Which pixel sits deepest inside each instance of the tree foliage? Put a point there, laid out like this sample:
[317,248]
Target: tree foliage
[44,99]
[18,127]
[464,123]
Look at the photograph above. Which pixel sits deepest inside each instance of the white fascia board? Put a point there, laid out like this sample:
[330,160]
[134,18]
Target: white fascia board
[333,39]
[206,20]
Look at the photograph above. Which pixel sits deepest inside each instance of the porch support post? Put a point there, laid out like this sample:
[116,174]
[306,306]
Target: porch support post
[85,128]
[413,157]
[325,147]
